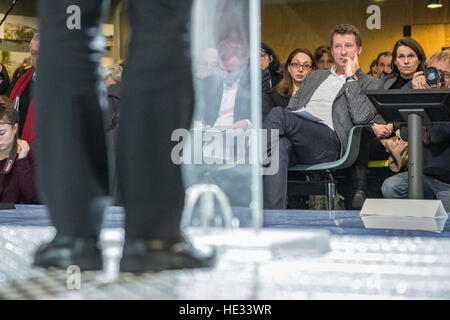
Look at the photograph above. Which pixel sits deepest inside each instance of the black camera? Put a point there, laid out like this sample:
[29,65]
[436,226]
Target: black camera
[433,76]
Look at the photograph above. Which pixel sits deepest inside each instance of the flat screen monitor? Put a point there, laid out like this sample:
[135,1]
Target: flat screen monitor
[394,105]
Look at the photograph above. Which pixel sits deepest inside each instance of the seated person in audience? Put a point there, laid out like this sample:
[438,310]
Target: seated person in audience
[299,63]
[18,72]
[323,57]
[384,64]
[335,98]
[22,89]
[17,178]
[206,63]
[223,99]
[113,83]
[373,69]
[436,147]
[409,57]
[269,61]
[223,107]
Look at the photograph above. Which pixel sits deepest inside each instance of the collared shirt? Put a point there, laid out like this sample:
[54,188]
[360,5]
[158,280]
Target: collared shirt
[226,111]
[321,102]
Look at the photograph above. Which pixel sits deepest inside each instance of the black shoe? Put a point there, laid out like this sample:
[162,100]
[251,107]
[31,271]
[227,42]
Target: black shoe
[358,199]
[140,255]
[64,251]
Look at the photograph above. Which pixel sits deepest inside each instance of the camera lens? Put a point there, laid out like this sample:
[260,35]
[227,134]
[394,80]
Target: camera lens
[432,76]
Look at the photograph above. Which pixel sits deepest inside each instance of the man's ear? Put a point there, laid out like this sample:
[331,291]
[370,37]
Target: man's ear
[359,51]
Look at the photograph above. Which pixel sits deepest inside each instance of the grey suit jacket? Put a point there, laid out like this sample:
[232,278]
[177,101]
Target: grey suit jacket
[350,107]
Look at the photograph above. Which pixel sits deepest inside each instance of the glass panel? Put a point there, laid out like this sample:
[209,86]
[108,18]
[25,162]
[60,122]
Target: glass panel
[220,163]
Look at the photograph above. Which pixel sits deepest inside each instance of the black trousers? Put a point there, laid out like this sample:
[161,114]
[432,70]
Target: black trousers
[157,98]
[300,141]
[370,149]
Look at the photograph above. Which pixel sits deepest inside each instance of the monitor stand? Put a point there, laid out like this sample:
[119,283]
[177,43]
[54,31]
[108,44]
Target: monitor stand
[415,155]
[416,108]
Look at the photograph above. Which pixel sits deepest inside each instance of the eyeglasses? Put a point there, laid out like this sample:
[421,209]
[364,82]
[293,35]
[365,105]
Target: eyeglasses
[305,66]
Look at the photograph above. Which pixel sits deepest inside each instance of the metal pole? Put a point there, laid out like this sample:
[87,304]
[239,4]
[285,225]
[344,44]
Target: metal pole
[415,156]
[255,90]
[331,194]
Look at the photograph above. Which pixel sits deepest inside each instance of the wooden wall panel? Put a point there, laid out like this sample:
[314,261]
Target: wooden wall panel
[432,37]
[285,27]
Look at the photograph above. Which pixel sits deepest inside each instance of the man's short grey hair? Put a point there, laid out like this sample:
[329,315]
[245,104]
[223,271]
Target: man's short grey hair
[36,36]
[114,71]
[443,56]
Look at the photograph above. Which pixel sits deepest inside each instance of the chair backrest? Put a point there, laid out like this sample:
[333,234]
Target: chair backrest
[350,156]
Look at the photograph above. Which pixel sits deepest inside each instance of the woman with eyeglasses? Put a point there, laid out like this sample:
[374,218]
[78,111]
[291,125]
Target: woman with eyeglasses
[298,64]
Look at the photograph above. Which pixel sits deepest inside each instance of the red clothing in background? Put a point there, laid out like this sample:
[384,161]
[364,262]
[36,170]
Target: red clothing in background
[29,132]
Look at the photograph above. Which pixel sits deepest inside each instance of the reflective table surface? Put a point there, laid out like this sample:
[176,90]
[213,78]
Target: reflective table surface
[325,255]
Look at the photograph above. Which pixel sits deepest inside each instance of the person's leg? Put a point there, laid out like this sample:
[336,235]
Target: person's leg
[157,99]
[275,185]
[370,148]
[396,187]
[442,192]
[358,174]
[430,188]
[71,150]
[311,142]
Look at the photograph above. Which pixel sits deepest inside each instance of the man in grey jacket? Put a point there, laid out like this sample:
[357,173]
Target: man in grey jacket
[316,124]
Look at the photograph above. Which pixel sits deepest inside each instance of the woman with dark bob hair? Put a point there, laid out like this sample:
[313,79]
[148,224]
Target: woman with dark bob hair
[408,57]
[299,63]
[269,60]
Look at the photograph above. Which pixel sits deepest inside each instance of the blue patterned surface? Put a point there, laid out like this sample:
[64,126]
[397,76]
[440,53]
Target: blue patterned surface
[337,222]
[358,263]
